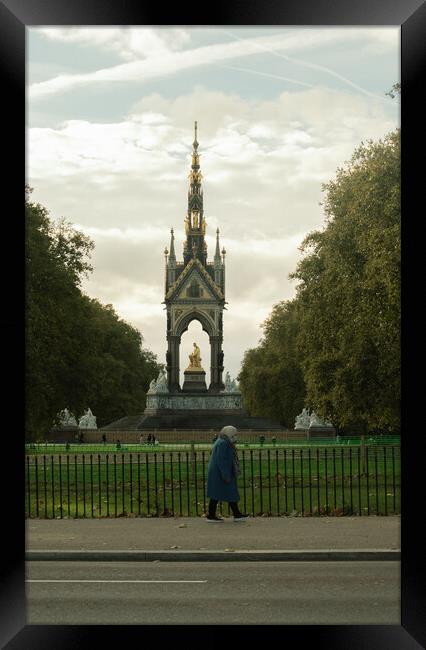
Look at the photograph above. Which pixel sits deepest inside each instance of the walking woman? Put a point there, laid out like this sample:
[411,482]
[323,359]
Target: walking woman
[222,475]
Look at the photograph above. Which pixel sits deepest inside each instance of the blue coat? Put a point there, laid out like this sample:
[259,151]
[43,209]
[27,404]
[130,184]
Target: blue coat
[221,467]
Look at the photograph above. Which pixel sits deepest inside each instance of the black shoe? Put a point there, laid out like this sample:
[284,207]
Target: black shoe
[208,518]
[240,517]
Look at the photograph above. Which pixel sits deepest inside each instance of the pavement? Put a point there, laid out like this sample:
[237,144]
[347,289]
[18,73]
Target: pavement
[194,539]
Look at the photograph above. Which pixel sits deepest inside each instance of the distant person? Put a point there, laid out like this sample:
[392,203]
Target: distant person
[149,439]
[104,439]
[222,473]
[153,439]
[141,439]
[118,444]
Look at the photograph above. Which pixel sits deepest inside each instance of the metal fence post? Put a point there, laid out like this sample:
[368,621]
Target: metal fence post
[193,461]
[363,457]
[29,486]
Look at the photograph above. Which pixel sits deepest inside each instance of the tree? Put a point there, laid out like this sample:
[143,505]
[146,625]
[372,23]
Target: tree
[349,293]
[79,353]
[116,368]
[52,307]
[271,377]
[394,91]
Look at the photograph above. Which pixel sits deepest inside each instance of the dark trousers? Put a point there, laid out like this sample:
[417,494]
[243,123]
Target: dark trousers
[213,505]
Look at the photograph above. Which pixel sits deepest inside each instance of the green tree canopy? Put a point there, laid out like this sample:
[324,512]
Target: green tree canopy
[271,377]
[79,353]
[349,293]
[335,348]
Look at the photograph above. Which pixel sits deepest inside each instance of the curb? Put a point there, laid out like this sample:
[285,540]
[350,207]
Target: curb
[351,555]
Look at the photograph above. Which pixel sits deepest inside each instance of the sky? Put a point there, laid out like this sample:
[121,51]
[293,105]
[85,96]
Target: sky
[110,126]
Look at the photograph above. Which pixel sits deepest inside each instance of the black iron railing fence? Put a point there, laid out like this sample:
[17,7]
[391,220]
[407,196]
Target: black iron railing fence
[168,441]
[307,481]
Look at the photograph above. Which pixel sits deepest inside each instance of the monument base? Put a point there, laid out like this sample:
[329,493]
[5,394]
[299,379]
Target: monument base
[195,412]
[194,381]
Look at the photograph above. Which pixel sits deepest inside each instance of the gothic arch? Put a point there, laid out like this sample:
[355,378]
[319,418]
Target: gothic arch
[205,322]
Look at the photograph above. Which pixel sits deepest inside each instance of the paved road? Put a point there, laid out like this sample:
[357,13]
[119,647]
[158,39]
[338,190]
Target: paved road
[128,593]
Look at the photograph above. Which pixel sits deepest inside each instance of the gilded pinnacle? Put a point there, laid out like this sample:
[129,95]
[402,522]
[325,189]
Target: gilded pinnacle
[195,137]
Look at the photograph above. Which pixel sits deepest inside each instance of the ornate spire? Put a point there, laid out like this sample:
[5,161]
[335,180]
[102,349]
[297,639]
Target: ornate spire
[195,143]
[218,276]
[166,273]
[172,255]
[195,225]
[195,175]
[217,252]
[170,262]
[195,156]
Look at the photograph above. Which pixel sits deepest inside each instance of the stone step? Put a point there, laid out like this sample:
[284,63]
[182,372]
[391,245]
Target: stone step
[128,423]
[206,422]
[193,420]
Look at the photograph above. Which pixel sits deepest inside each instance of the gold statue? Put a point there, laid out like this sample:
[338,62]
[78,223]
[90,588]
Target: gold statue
[195,359]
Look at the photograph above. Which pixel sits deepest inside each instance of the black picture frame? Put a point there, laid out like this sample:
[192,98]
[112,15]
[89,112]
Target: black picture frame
[15,16]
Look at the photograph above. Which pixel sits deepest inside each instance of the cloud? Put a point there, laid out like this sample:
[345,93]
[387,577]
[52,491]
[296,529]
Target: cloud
[152,54]
[111,148]
[133,236]
[303,130]
[128,43]
[383,41]
[125,184]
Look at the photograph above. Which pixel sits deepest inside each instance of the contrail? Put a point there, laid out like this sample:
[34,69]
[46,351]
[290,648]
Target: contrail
[307,64]
[267,74]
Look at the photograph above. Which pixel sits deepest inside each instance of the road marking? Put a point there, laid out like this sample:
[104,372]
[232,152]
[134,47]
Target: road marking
[125,581]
